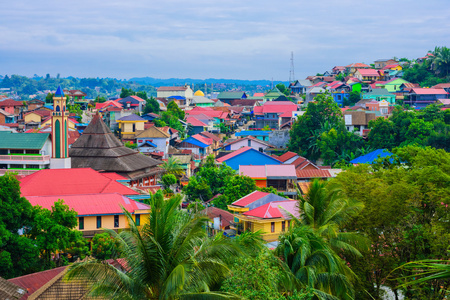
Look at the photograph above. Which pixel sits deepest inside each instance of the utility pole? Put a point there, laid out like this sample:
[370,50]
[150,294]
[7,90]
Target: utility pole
[291,72]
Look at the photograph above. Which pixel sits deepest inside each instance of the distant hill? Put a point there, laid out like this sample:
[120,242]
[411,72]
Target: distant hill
[157,82]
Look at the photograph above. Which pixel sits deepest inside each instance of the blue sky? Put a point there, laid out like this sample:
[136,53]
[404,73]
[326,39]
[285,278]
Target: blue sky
[212,39]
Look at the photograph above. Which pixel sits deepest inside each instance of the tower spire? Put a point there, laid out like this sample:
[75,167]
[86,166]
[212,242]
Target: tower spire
[60,150]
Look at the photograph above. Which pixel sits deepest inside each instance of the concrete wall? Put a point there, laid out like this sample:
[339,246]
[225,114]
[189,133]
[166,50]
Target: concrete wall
[279,138]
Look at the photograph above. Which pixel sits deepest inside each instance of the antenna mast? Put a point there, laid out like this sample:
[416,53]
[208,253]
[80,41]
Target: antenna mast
[291,72]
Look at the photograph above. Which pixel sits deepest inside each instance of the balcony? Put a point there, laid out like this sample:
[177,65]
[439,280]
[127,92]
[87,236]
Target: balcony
[25,159]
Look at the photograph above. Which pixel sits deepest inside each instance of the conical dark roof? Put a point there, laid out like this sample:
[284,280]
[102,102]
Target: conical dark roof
[99,149]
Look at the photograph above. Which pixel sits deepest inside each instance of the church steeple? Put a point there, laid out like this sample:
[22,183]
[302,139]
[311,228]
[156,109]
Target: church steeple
[60,115]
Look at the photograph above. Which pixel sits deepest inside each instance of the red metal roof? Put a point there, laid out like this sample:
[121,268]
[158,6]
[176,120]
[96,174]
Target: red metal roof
[113,176]
[235,153]
[272,210]
[250,198]
[70,182]
[138,98]
[286,156]
[204,140]
[312,173]
[91,204]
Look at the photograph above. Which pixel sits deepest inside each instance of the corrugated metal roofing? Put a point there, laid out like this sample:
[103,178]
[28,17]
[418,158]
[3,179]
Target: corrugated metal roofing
[70,182]
[312,173]
[9,140]
[371,157]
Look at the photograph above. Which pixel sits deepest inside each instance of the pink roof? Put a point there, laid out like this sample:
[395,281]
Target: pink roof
[278,107]
[212,113]
[425,91]
[195,122]
[250,198]
[268,171]
[91,204]
[70,182]
[275,209]
[253,171]
[258,95]
[368,72]
[287,114]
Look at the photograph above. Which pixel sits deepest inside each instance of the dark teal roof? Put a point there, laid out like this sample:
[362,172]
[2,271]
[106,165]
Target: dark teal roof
[10,140]
[59,92]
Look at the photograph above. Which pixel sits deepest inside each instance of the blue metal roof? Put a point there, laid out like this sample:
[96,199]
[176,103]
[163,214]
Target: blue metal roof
[49,106]
[253,133]
[177,97]
[371,157]
[193,141]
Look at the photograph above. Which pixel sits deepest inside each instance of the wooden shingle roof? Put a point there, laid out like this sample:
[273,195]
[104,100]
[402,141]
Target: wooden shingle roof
[99,149]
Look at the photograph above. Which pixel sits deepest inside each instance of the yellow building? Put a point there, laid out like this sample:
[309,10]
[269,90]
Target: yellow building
[263,211]
[98,211]
[131,125]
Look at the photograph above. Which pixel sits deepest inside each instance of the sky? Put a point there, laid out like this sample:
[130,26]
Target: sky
[233,39]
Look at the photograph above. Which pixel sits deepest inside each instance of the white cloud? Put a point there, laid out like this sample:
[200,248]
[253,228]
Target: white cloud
[226,39]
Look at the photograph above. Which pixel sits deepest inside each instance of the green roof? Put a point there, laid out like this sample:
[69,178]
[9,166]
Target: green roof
[273,93]
[230,95]
[10,140]
[379,92]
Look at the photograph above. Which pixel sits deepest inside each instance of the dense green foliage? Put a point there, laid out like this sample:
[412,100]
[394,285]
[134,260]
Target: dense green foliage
[427,127]
[320,133]
[212,179]
[171,117]
[103,246]
[432,71]
[406,217]
[170,257]
[45,232]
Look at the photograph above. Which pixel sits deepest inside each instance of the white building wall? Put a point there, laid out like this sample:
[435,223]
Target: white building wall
[245,143]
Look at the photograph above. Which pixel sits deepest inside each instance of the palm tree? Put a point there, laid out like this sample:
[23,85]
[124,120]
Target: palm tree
[325,209]
[170,257]
[429,270]
[441,61]
[313,265]
[172,166]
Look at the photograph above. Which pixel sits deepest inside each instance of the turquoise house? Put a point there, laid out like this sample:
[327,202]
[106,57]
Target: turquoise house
[380,94]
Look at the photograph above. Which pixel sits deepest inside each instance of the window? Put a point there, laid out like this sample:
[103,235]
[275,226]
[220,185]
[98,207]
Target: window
[283,226]
[272,227]
[137,220]
[99,221]
[116,220]
[249,143]
[289,224]
[81,223]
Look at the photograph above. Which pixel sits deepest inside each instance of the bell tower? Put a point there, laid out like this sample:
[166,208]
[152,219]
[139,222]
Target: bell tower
[60,152]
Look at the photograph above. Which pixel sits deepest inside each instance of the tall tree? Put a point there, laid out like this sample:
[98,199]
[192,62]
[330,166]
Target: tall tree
[171,257]
[309,126]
